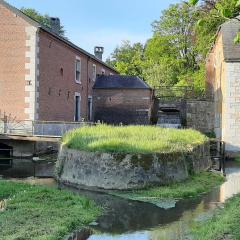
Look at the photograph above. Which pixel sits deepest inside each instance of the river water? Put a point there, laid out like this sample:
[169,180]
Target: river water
[132,220]
[128,220]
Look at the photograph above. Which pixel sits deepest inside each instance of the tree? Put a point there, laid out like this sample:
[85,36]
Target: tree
[42,19]
[220,11]
[177,24]
[128,58]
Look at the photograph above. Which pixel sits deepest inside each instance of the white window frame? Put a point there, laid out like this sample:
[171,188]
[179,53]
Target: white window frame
[94,72]
[77,94]
[80,70]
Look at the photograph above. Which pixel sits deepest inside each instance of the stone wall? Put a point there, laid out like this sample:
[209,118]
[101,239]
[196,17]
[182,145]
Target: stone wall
[196,114]
[200,115]
[129,171]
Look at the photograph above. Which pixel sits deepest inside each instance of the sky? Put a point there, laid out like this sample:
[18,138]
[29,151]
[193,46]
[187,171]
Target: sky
[106,23]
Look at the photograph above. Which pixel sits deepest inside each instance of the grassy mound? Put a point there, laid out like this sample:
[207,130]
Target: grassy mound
[132,139]
[223,225]
[39,213]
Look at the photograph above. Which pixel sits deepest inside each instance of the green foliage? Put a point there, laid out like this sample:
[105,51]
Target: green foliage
[223,225]
[36,213]
[132,139]
[43,19]
[193,2]
[127,59]
[169,55]
[182,37]
[196,184]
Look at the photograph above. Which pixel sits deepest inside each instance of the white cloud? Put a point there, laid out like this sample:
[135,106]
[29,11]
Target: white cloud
[107,38]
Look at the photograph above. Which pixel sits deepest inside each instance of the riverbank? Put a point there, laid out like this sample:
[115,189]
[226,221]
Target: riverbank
[223,225]
[192,187]
[36,212]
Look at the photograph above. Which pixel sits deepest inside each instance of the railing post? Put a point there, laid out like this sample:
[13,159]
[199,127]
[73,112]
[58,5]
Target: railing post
[5,124]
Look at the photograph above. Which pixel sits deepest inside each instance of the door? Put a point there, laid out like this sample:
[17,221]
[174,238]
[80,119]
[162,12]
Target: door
[89,108]
[77,116]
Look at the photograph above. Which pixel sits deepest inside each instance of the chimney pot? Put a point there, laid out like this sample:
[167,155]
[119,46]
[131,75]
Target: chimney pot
[55,24]
[98,52]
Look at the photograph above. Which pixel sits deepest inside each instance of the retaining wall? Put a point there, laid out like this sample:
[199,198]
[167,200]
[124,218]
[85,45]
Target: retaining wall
[129,171]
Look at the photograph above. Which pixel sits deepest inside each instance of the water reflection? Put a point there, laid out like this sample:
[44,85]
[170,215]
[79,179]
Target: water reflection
[133,220]
[23,168]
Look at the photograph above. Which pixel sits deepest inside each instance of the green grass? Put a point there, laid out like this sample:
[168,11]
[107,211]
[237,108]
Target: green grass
[41,213]
[132,139]
[237,159]
[223,225]
[192,187]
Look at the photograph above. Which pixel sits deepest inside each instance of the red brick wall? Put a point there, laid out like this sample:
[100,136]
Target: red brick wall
[121,105]
[57,91]
[12,64]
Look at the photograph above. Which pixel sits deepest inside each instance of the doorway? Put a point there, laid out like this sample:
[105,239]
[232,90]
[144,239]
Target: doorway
[77,103]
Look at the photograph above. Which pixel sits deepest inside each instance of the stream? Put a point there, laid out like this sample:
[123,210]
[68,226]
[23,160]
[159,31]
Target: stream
[132,220]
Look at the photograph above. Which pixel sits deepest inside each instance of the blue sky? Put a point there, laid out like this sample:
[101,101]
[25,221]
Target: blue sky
[107,22]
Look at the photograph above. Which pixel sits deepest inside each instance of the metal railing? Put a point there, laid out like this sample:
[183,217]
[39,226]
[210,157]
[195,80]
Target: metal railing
[39,128]
[181,92]
[218,155]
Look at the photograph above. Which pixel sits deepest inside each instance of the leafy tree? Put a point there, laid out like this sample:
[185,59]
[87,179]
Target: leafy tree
[128,58]
[182,37]
[220,11]
[43,19]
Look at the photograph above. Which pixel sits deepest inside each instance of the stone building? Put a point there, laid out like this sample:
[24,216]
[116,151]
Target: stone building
[121,99]
[43,76]
[223,80]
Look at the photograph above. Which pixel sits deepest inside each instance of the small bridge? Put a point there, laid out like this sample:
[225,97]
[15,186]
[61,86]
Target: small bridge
[36,129]
[27,138]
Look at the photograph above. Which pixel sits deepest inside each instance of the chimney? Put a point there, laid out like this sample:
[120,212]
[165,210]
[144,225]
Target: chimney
[98,52]
[55,25]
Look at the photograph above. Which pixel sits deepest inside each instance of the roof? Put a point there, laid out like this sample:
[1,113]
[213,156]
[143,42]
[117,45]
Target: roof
[119,82]
[229,29]
[44,28]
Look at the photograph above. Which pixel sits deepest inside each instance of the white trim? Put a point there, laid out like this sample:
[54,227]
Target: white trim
[78,59]
[32,79]
[77,94]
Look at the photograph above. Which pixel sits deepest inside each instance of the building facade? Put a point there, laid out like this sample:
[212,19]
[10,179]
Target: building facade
[122,99]
[43,76]
[223,81]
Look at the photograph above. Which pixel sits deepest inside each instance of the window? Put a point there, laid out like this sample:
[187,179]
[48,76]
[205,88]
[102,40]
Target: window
[103,71]
[94,72]
[78,70]
[77,107]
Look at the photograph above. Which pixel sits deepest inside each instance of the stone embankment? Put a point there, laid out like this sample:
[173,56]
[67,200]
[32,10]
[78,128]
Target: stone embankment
[129,171]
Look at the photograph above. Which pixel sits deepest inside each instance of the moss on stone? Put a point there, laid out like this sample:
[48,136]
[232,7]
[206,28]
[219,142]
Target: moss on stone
[143,160]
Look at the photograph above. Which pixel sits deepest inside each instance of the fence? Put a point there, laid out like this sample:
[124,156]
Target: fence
[39,128]
[182,92]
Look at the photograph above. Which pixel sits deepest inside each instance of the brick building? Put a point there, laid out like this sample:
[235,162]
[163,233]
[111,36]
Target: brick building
[43,76]
[223,81]
[121,99]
